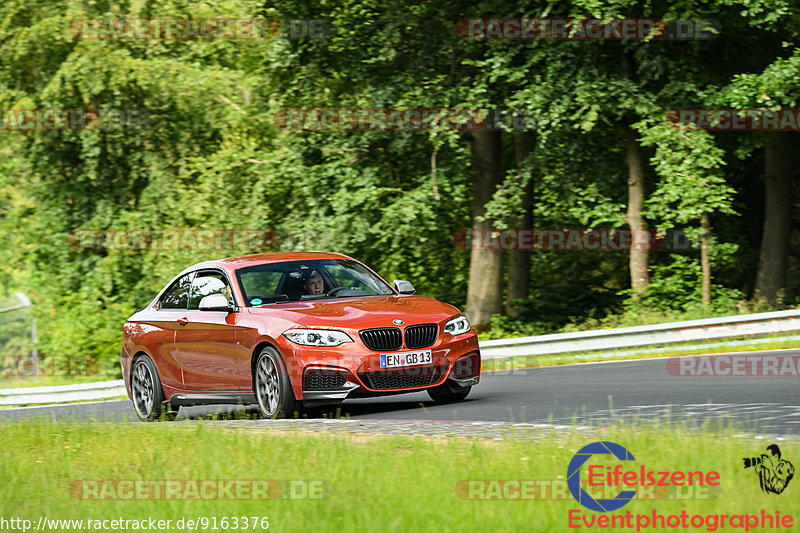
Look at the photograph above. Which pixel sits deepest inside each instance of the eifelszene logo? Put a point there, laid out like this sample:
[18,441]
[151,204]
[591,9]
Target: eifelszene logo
[774,473]
[574,477]
[612,478]
[608,467]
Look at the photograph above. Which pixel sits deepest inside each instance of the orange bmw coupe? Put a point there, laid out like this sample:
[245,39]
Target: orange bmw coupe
[287,331]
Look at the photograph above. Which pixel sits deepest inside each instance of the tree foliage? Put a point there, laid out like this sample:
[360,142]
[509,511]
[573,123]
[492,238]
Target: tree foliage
[208,152]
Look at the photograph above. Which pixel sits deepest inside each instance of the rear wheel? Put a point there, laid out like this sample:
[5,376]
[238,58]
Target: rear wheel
[273,387]
[146,391]
[446,393]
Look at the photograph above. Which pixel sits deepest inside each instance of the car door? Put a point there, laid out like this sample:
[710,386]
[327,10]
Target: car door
[205,341]
[171,308]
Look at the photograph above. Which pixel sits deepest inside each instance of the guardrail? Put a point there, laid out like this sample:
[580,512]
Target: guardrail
[673,333]
[63,394]
[656,334]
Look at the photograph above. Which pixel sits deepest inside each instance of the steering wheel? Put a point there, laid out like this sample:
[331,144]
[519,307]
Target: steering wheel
[334,291]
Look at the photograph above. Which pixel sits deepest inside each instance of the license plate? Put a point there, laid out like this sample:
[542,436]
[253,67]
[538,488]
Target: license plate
[393,360]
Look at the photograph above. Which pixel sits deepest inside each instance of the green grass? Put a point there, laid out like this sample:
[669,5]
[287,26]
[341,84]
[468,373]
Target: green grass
[378,483]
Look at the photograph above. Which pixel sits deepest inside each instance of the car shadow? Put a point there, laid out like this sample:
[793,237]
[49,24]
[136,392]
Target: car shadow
[218,412]
[345,410]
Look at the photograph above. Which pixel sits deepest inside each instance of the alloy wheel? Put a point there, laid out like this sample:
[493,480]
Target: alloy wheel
[143,389]
[268,386]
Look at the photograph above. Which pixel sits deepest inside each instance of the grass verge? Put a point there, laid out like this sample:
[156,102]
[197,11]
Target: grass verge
[529,361]
[371,484]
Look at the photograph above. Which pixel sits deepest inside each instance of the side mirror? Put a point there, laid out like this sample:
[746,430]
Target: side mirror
[215,302]
[403,287]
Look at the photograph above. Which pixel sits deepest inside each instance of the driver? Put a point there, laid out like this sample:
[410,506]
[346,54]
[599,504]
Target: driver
[314,284]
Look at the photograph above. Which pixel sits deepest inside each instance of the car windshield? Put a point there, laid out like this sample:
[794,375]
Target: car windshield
[293,281]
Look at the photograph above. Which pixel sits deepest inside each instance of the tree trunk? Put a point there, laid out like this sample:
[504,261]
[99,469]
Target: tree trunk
[705,259]
[773,262]
[485,292]
[639,246]
[519,261]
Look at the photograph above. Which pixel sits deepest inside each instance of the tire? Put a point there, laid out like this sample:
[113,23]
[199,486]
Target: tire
[147,393]
[446,393]
[272,386]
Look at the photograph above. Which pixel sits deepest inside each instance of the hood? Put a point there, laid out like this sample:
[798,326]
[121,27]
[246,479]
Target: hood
[361,312]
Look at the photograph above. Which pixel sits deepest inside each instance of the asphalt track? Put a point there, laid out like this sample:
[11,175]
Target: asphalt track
[593,394]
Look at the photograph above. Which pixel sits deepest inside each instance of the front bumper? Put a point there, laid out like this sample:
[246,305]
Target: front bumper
[326,384]
[329,396]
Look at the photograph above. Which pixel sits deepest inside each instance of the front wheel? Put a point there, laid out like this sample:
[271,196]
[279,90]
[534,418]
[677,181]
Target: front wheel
[273,387]
[447,393]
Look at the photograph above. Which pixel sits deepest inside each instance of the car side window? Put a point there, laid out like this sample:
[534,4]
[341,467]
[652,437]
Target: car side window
[177,296]
[206,284]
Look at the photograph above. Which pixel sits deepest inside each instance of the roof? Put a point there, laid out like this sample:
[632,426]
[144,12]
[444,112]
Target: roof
[258,259]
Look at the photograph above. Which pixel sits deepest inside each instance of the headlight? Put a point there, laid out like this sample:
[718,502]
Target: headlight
[317,337]
[457,326]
